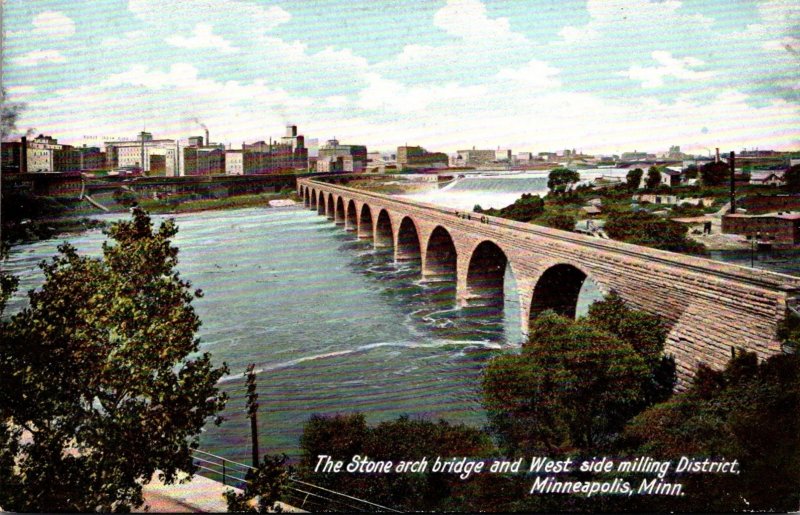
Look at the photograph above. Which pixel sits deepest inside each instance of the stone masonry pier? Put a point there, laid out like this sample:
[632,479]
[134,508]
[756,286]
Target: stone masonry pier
[710,308]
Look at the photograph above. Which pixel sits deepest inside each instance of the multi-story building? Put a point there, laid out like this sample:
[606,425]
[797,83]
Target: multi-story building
[780,229]
[410,158]
[474,157]
[137,154]
[234,162]
[41,153]
[335,157]
[92,158]
[203,160]
[290,155]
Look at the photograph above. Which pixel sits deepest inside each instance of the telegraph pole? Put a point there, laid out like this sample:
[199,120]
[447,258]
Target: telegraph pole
[252,409]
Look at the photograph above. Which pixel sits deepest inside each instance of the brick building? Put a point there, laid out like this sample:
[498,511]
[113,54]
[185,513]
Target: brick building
[413,158]
[780,229]
[335,157]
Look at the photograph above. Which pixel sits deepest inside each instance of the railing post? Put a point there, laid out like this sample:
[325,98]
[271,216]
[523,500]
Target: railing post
[223,472]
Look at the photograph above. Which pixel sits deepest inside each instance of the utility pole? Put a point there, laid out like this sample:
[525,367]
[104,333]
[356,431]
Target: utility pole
[732,163]
[252,409]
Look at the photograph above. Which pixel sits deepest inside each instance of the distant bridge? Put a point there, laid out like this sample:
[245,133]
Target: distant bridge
[710,308]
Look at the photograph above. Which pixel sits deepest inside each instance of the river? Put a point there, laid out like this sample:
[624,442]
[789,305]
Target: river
[332,325]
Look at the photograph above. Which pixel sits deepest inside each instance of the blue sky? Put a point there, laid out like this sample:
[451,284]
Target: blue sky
[596,75]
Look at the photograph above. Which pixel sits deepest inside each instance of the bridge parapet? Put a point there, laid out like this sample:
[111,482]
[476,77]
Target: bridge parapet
[710,307]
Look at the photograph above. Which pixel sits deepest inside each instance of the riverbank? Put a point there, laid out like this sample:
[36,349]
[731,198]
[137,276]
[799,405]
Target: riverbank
[76,217]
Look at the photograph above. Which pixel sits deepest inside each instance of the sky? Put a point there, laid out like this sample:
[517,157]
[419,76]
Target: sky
[601,76]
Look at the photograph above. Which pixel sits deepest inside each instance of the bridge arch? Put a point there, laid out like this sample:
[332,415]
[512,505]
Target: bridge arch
[408,247]
[486,275]
[306,200]
[339,214]
[558,289]
[330,207]
[365,222]
[321,203]
[313,201]
[440,255]
[351,216]
[383,230]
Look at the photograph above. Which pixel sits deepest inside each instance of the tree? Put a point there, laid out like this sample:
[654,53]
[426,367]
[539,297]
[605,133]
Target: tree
[690,172]
[792,178]
[523,209]
[653,178]
[573,387]
[103,381]
[634,178]
[9,113]
[746,412]
[714,174]
[343,436]
[643,228]
[265,486]
[558,219]
[560,179]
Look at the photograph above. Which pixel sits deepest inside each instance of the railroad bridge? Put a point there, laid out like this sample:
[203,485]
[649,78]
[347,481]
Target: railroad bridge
[710,308]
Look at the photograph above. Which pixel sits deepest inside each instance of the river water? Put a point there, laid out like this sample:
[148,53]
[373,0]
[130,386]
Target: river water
[332,325]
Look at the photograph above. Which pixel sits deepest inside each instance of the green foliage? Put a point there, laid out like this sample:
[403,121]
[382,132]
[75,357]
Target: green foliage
[792,178]
[125,197]
[634,178]
[560,179]
[573,387]
[653,178]
[344,436]
[747,412]
[8,283]
[103,375]
[690,172]
[714,174]
[264,488]
[523,209]
[642,228]
[558,219]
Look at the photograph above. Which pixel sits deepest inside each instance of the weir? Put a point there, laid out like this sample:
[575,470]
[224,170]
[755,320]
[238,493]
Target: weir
[711,309]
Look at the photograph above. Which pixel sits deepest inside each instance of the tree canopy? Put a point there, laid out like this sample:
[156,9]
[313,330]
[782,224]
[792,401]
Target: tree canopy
[643,228]
[103,379]
[523,209]
[560,179]
[714,174]
[634,178]
[792,178]
[653,180]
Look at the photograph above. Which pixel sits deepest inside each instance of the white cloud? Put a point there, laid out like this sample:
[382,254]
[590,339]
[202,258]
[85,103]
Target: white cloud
[202,37]
[669,66]
[53,24]
[246,17]
[534,74]
[382,94]
[468,19]
[39,57]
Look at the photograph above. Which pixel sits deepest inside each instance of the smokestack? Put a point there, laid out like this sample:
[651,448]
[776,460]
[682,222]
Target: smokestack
[733,183]
[716,160]
[208,141]
[23,155]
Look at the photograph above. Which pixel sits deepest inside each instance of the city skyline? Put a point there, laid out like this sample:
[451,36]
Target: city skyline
[604,76]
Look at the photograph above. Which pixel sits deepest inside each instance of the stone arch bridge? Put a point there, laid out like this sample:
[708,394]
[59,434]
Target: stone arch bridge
[711,308]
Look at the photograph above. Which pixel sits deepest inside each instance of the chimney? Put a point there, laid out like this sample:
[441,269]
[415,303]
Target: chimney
[23,155]
[716,160]
[208,141]
[733,183]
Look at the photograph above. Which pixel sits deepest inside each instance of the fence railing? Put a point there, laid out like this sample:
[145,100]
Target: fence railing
[300,494]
